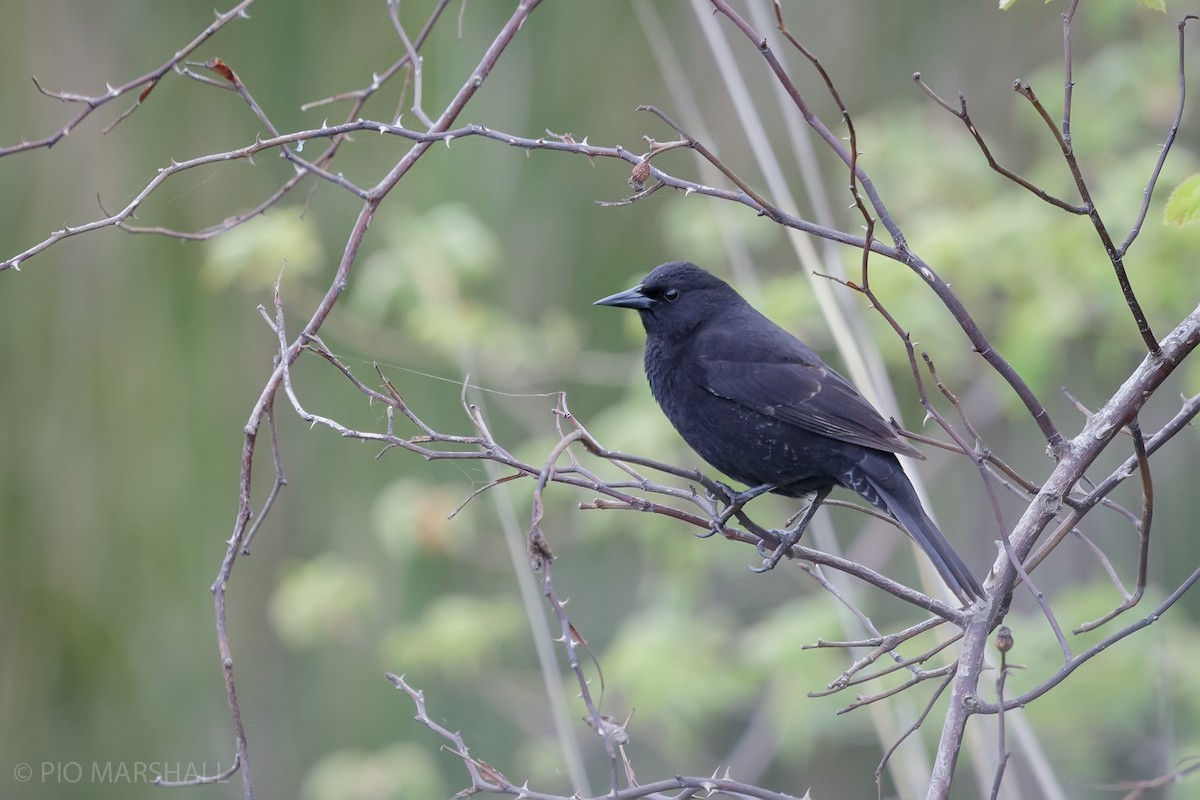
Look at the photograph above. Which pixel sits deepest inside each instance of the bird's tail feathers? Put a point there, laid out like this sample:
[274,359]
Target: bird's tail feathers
[899,499]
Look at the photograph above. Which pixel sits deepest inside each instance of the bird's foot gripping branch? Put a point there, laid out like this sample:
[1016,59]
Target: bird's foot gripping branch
[785,540]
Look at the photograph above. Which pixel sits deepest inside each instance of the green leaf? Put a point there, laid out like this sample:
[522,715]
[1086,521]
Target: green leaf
[676,669]
[1154,5]
[251,255]
[398,770]
[321,600]
[458,633]
[1184,205]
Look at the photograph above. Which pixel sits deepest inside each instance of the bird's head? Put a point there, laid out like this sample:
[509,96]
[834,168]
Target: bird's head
[675,298]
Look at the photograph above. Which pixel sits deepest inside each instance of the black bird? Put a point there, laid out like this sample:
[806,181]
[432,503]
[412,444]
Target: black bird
[759,405]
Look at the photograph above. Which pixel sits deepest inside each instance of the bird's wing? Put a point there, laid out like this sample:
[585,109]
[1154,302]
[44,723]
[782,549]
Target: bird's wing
[779,376]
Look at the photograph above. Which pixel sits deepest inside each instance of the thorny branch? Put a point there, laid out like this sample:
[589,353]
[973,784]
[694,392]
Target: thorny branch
[486,778]
[372,197]
[629,493]
[145,82]
[1064,496]
[900,252]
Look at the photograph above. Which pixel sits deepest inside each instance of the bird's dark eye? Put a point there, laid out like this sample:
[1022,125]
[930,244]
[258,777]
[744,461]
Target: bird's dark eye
[671,295]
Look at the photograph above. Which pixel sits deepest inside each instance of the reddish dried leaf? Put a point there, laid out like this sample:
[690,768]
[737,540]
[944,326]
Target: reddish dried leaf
[146,92]
[221,68]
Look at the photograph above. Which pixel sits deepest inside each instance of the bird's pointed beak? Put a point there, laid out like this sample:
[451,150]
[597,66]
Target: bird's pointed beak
[630,298]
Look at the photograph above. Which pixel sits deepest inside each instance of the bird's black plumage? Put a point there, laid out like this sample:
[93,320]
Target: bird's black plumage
[756,403]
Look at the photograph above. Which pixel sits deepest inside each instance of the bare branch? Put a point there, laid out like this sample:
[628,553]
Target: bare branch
[962,113]
[1119,411]
[763,206]
[1004,643]
[920,720]
[1087,655]
[145,82]
[200,780]
[1189,410]
[1148,192]
[1139,446]
[486,778]
[1114,255]
[1068,80]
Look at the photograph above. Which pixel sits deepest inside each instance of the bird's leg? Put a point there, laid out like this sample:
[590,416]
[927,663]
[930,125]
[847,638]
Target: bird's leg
[734,503]
[790,537]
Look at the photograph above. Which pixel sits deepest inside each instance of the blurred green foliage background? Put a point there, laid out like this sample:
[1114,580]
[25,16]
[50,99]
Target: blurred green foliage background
[131,363]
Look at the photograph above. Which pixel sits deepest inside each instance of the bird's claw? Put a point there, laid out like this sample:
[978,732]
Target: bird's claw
[735,500]
[727,495]
[727,490]
[712,530]
[786,540]
[770,560]
[741,498]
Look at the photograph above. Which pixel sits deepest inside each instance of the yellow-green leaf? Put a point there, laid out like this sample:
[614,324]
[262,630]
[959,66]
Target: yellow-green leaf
[1184,205]
[251,255]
